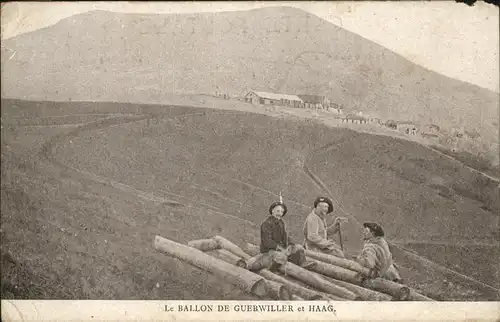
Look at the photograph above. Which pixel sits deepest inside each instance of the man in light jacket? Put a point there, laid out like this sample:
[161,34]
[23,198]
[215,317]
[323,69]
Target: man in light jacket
[316,231]
[376,254]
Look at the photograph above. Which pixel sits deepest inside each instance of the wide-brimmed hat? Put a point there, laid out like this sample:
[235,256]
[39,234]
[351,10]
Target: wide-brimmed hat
[375,228]
[276,204]
[324,199]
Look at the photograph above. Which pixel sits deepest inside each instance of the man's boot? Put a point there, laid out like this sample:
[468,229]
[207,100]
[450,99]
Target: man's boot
[298,257]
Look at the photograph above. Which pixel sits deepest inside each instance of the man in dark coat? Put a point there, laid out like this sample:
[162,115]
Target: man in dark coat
[276,247]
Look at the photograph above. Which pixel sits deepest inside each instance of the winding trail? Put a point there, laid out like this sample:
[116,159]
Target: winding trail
[495,179]
[401,137]
[47,154]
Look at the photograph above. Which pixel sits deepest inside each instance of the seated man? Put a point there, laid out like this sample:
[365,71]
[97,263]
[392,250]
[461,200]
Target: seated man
[376,254]
[316,230]
[276,247]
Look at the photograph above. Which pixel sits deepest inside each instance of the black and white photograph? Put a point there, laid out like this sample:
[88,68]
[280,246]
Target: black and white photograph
[250,151]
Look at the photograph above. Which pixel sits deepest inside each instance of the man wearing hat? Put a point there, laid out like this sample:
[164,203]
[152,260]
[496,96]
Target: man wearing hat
[276,247]
[376,254]
[316,230]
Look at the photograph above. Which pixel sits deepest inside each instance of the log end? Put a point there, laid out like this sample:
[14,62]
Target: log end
[278,291]
[284,294]
[403,294]
[241,263]
[156,242]
[259,288]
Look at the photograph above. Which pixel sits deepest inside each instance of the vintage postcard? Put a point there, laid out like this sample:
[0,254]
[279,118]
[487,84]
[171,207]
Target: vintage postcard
[250,161]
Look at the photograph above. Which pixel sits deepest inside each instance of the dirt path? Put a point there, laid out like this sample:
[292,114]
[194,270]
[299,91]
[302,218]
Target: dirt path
[328,122]
[46,153]
[495,179]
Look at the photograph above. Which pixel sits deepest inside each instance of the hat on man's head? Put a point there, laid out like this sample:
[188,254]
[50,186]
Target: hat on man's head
[276,204]
[324,199]
[375,228]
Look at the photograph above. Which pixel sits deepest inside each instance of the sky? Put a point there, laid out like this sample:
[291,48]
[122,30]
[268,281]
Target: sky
[450,38]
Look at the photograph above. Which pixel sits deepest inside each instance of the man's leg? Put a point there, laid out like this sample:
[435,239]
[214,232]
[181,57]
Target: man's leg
[298,256]
[334,250]
[259,262]
[392,274]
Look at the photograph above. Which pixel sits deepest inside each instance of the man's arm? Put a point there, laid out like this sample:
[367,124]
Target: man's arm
[368,257]
[335,227]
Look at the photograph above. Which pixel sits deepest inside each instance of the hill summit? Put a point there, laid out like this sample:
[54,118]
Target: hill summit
[108,56]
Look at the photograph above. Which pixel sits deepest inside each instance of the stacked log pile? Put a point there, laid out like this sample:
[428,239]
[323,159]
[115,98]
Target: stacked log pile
[331,278]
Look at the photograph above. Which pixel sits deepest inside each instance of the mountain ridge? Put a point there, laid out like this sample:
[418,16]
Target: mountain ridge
[101,11]
[113,56]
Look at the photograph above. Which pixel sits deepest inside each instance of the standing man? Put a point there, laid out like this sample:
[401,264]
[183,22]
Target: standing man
[316,231]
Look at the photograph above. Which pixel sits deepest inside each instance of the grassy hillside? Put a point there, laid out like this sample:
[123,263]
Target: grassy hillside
[137,57]
[80,206]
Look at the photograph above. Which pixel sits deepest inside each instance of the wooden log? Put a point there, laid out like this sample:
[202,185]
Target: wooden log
[229,257]
[278,291]
[336,272]
[397,291]
[337,261]
[365,293]
[326,269]
[309,278]
[204,244]
[317,281]
[242,278]
[323,296]
[381,284]
[416,296]
[275,289]
[295,288]
[296,298]
[230,246]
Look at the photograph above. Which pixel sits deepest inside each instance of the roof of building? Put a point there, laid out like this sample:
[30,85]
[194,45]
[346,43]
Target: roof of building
[354,117]
[311,98]
[277,97]
[406,122]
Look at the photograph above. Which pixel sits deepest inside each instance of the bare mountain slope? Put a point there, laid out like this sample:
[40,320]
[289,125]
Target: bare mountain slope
[82,226]
[137,57]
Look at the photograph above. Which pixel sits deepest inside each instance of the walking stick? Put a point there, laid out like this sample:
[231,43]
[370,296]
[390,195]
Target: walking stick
[340,237]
